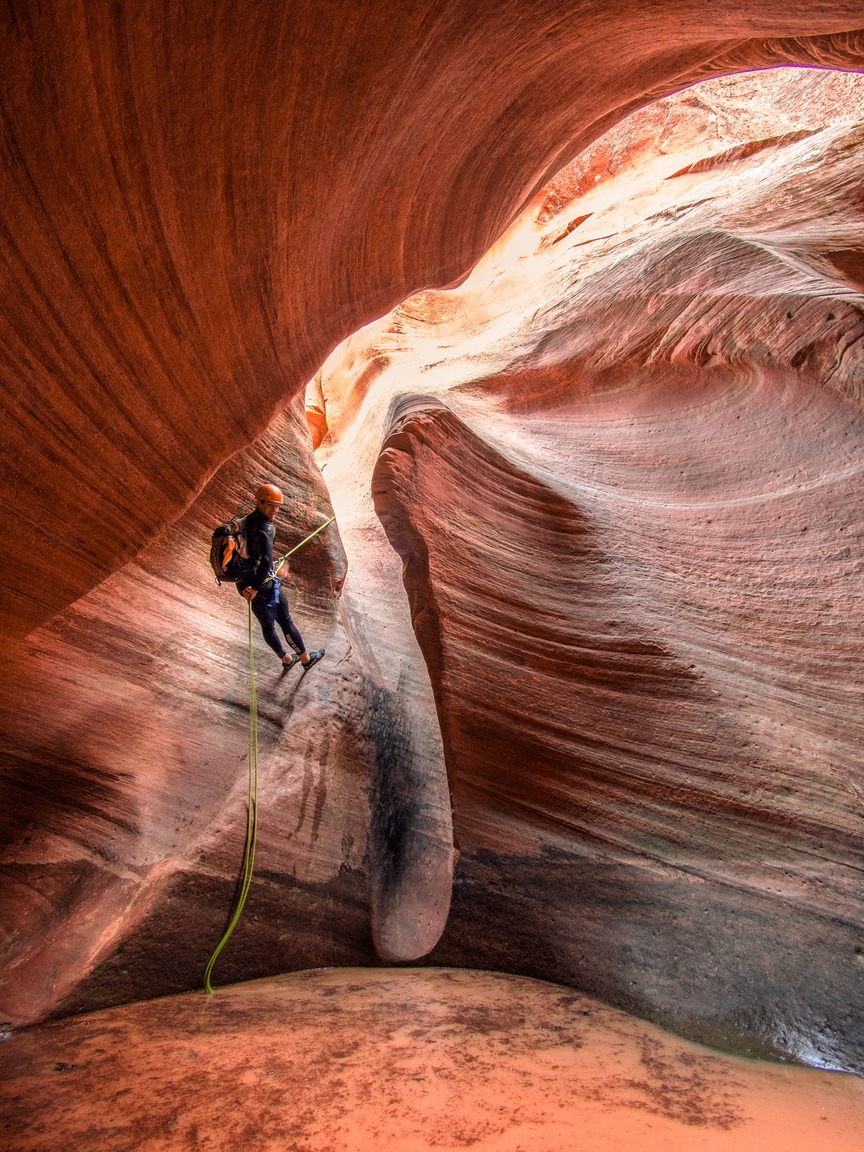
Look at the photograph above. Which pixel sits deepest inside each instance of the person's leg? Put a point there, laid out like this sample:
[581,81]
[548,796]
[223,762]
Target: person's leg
[265,614]
[292,635]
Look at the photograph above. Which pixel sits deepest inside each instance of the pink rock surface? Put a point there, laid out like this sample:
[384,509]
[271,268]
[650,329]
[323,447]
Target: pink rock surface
[599,459]
[622,466]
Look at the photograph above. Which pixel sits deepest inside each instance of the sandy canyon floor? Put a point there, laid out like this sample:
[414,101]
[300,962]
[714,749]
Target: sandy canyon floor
[402,1060]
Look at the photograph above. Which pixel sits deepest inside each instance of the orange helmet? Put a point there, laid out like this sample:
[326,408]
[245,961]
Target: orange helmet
[269,493]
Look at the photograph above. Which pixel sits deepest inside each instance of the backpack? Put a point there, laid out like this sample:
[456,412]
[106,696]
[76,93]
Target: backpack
[229,551]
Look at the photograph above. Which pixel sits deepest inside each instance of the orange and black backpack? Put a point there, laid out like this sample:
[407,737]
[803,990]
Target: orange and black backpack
[229,551]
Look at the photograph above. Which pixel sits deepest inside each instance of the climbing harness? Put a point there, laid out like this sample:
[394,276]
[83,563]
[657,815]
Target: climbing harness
[252,801]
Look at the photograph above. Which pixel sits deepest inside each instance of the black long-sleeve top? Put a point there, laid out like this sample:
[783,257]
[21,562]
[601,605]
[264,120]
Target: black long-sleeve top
[260,536]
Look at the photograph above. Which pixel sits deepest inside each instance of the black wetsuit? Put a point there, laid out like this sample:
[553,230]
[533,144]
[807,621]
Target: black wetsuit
[269,605]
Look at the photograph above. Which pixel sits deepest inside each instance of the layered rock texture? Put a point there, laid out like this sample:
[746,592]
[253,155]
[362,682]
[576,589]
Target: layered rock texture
[622,465]
[593,606]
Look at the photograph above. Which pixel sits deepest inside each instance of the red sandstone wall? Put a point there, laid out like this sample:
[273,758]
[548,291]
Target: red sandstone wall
[197,207]
[198,204]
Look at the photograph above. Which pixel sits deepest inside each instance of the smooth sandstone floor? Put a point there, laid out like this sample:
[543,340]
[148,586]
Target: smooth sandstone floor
[402,1060]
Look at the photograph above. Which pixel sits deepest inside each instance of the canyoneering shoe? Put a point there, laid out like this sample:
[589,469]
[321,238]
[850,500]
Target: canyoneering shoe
[314,657]
[289,663]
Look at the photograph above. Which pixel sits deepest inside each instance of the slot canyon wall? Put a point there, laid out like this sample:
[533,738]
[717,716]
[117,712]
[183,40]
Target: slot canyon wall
[593,606]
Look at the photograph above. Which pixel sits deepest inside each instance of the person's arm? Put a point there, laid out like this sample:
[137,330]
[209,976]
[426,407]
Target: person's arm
[261,549]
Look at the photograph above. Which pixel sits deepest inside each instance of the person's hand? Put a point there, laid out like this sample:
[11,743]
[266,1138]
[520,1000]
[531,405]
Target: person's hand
[250,594]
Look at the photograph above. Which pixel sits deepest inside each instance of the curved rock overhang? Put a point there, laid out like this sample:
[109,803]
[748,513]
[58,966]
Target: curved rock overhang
[197,210]
[198,204]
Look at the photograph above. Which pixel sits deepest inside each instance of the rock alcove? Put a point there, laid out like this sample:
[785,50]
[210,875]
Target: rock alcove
[594,606]
[620,464]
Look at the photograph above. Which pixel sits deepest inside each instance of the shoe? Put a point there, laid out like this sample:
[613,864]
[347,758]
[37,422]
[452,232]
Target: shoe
[314,657]
[286,663]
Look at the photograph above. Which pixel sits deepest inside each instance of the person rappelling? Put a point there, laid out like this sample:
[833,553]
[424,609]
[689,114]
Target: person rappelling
[263,588]
[242,552]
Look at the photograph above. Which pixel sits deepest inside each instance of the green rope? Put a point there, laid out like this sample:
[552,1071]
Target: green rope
[252,802]
[251,815]
[297,547]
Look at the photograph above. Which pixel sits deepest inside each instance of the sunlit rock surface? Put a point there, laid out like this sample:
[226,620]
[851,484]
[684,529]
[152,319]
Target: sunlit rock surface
[403,1061]
[623,467]
[648,720]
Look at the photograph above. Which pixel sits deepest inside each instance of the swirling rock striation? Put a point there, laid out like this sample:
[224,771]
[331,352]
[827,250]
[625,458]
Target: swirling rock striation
[648,719]
[199,205]
[626,499]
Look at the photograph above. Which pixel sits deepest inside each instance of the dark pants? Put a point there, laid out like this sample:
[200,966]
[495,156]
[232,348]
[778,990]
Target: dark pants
[271,608]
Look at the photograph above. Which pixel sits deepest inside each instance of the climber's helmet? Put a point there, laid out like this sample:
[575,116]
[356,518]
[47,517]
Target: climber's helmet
[269,499]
